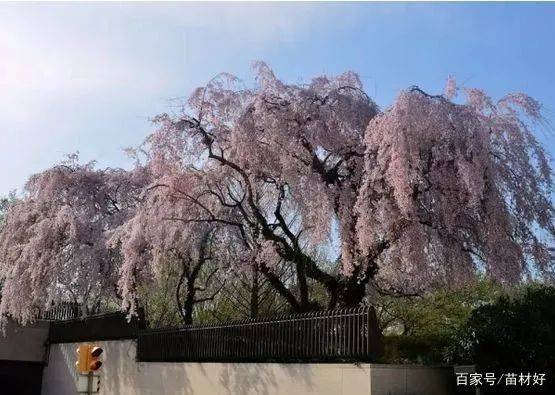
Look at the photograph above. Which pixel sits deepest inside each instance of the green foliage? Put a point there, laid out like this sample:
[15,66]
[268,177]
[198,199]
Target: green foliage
[234,301]
[517,332]
[158,299]
[414,349]
[423,329]
[480,323]
[4,205]
[443,311]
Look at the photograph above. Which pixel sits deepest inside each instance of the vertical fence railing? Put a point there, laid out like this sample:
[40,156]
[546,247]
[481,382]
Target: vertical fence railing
[64,311]
[338,335]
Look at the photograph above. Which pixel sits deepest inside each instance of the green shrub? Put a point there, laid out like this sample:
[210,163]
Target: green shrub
[420,349]
[517,332]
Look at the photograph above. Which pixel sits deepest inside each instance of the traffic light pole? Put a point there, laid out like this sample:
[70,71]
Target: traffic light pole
[90,383]
[88,362]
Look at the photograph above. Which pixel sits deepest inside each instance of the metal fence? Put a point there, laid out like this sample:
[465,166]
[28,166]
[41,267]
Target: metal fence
[111,326]
[339,335]
[64,311]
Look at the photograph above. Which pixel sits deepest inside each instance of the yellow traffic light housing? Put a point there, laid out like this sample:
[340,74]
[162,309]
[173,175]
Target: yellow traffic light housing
[82,358]
[88,358]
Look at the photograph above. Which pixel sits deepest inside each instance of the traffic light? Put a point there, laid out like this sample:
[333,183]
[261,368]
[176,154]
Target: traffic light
[82,355]
[94,359]
[88,358]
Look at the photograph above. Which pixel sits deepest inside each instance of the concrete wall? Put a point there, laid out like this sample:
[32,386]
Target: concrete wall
[122,375]
[24,343]
[22,350]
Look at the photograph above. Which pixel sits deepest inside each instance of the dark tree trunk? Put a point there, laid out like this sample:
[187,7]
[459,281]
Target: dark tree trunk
[190,272]
[255,295]
[281,288]
[186,305]
[303,287]
[189,303]
[352,295]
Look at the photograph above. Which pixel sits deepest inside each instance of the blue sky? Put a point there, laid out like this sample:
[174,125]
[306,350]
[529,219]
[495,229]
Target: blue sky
[87,77]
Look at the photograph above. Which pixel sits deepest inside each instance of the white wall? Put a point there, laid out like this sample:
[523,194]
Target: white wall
[122,375]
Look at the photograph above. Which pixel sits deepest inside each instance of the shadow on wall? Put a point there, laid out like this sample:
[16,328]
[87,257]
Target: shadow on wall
[265,379]
[123,375]
[247,378]
[59,374]
[69,352]
[120,373]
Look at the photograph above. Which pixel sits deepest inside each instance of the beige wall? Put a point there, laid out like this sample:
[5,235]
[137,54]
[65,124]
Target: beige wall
[24,343]
[121,375]
[411,380]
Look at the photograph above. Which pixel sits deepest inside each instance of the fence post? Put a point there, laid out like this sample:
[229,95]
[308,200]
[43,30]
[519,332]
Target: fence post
[375,344]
